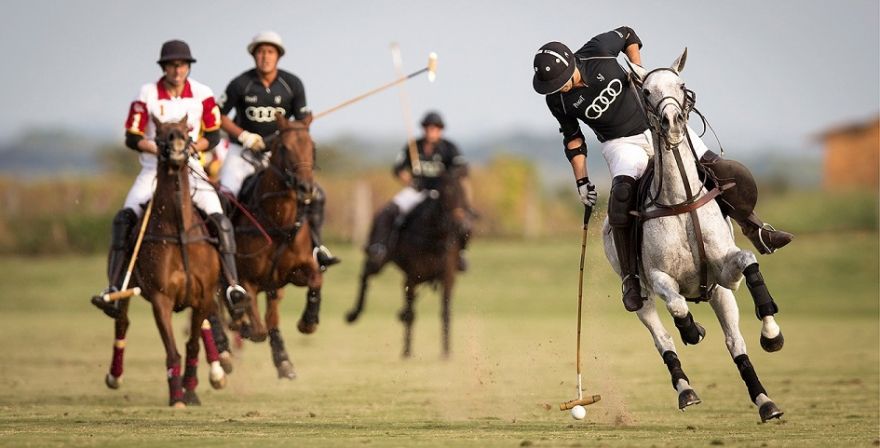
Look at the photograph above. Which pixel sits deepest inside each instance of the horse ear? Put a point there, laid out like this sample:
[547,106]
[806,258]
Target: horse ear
[281,120]
[678,65]
[184,119]
[155,120]
[636,70]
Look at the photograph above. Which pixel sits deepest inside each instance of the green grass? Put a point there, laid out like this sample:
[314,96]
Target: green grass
[512,363]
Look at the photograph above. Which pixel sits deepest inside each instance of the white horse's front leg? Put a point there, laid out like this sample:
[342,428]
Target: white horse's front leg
[666,347]
[735,264]
[667,288]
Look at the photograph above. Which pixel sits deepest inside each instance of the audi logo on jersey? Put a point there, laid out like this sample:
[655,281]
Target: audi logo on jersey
[263,114]
[603,101]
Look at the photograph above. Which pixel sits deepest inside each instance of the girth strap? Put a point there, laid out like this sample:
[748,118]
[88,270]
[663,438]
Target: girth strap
[682,208]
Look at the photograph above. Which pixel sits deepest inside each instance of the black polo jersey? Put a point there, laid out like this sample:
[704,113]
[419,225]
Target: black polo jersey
[607,103]
[255,105]
[444,156]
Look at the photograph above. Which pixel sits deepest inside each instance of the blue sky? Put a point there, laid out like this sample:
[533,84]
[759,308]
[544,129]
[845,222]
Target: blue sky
[766,73]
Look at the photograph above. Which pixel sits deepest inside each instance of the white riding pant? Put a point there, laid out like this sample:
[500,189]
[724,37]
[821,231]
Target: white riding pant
[203,194]
[408,198]
[628,156]
[236,168]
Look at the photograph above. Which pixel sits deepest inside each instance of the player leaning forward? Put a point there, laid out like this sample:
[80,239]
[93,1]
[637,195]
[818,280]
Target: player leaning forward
[589,85]
[169,99]
[257,95]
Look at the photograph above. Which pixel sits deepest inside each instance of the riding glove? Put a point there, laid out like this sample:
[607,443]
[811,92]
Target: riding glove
[587,191]
[251,141]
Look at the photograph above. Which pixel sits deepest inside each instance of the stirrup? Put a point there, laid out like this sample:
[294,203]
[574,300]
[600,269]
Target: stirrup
[766,226]
[236,298]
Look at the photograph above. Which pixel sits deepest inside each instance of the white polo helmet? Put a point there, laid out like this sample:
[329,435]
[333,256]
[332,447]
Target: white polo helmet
[266,37]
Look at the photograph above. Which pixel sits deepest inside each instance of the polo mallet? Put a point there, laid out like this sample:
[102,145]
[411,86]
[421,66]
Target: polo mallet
[124,292]
[432,73]
[580,400]
[415,163]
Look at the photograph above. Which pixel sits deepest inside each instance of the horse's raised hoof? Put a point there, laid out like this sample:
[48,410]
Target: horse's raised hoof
[226,361]
[285,370]
[109,308]
[772,344]
[352,316]
[217,376]
[691,331]
[687,398]
[190,399]
[256,336]
[306,328]
[768,411]
[112,381]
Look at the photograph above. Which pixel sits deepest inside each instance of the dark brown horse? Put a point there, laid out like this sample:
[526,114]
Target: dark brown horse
[177,267]
[279,199]
[426,248]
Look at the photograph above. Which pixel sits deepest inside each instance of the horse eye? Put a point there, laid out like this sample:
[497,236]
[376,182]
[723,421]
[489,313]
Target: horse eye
[646,92]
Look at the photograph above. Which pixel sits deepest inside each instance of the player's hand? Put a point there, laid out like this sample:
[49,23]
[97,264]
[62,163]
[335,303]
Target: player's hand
[251,141]
[587,192]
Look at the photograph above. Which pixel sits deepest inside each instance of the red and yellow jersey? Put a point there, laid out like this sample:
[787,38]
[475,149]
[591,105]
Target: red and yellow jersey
[196,101]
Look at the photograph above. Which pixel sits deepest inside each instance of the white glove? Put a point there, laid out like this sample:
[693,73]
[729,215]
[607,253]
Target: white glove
[587,192]
[251,141]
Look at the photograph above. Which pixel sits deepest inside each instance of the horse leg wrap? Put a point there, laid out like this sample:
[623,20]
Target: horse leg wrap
[279,354]
[764,304]
[190,375]
[175,386]
[313,306]
[689,330]
[211,353]
[118,354]
[674,366]
[220,339]
[747,373]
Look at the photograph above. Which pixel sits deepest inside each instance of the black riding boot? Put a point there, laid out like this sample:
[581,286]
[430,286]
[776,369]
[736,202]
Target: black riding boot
[739,202]
[464,236]
[123,224]
[383,235]
[623,198]
[236,297]
[316,221]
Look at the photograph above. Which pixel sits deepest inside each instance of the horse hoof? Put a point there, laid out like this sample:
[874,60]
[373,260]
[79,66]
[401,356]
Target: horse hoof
[190,399]
[768,411]
[178,405]
[687,398]
[306,328]
[217,376]
[258,336]
[772,344]
[113,382]
[693,335]
[406,316]
[351,316]
[226,362]
[285,370]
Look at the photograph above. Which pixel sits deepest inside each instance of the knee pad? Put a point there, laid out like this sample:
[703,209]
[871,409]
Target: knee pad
[622,201]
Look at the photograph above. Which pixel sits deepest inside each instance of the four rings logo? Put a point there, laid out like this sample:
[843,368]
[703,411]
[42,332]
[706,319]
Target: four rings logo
[604,100]
[262,114]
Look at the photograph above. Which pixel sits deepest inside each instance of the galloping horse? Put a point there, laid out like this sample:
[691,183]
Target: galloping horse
[279,199]
[177,267]
[426,249]
[688,250]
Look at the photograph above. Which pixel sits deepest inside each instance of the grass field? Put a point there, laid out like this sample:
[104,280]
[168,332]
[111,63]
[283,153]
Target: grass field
[512,363]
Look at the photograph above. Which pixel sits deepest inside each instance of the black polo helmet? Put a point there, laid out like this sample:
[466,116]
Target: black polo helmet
[175,50]
[433,119]
[554,65]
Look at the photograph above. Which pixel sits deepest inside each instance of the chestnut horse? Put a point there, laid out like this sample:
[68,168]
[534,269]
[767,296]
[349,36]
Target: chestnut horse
[279,199]
[426,248]
[177,267]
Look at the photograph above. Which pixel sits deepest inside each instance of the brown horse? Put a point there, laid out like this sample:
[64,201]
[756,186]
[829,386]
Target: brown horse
[177,267]
[426,248]
[280,199]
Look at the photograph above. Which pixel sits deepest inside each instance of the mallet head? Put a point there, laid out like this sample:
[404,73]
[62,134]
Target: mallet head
[581,401]
[432,66]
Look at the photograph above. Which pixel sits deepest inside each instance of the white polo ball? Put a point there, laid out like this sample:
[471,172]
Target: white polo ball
[578,412]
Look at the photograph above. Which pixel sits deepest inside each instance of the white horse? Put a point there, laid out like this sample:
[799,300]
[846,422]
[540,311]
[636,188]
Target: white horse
[675,264]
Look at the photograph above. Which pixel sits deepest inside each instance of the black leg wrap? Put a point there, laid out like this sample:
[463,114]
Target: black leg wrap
[674,366]
[220,339]
[691,332]
[748,375]
[279,354]
[764,304]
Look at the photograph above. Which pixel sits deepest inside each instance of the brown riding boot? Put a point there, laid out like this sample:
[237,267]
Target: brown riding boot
[765,238]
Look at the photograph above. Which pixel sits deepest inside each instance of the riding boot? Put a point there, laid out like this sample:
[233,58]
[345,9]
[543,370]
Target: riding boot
[464,236]
[623,198]
[739,202]
[236,296]
[316,221]
[123,223]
